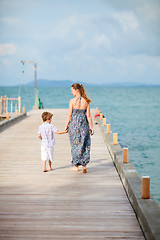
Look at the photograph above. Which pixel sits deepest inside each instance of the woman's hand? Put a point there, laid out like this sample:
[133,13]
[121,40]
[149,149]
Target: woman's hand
[66,129]
[91,131]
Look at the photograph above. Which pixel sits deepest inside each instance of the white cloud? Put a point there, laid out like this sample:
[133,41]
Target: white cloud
[87,42]
[158,64]
[10,21]
[68,59]
[8,49]
[102,40]
[127,20]
[64,27]
[6,62]
[80,34]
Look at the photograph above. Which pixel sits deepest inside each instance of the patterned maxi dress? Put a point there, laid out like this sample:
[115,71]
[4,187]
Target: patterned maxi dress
[79,134]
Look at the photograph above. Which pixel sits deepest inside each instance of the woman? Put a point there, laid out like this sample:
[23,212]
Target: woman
[79,125]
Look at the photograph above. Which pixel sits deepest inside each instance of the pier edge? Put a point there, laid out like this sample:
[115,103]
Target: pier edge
[147,210]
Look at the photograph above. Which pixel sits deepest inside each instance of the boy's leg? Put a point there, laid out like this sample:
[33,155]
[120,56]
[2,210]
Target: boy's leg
[44,157]
[50,165]
[50,154]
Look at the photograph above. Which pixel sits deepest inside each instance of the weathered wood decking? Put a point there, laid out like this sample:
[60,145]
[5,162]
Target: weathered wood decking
[60,204]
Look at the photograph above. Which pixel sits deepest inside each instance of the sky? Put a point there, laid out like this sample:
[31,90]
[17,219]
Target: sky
[92,41]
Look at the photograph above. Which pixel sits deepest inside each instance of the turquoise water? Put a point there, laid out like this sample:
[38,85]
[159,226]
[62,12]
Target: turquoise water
[134,113]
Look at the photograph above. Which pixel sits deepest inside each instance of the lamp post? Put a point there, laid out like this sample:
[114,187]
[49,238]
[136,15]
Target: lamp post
[33,65]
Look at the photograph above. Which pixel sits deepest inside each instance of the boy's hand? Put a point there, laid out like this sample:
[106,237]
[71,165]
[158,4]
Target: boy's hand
[39,136]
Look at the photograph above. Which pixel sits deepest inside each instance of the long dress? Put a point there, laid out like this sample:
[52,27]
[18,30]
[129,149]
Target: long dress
[79,134]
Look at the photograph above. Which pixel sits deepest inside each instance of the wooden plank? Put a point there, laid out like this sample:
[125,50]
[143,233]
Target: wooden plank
[60,204]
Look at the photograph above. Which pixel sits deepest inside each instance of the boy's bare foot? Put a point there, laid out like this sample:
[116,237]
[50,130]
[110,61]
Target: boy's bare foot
[75,169]
[45,170]
[50,169]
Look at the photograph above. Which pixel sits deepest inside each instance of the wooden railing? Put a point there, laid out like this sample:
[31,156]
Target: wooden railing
[145,179]
[8,105]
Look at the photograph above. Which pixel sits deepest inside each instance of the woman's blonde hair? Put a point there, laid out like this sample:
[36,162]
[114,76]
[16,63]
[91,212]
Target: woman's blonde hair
[81,90]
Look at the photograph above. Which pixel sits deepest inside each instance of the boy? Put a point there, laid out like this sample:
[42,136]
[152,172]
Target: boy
[46,134]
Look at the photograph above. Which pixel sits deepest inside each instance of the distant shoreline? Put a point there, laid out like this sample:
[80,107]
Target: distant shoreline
[68,83]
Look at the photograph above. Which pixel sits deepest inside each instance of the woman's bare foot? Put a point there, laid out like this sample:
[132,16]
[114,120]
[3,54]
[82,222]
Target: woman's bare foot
[50,169]
[76,168]
[45,170]
[84,169]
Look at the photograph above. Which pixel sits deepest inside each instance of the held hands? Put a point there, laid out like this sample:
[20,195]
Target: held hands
[66,129]
[91,131]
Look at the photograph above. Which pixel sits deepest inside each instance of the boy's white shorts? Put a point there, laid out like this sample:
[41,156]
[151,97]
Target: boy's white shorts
[47,153]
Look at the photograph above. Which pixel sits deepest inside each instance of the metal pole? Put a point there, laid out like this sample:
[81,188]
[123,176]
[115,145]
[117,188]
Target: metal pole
[35,74]
[34,67]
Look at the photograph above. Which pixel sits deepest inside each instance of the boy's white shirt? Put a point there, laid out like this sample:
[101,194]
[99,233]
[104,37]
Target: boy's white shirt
[47,130]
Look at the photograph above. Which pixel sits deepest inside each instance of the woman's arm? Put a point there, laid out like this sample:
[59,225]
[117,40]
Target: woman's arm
[90,119]
[69,114]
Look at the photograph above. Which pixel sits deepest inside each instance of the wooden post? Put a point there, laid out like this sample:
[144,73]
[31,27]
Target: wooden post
[108,128]
[5,100]
[24,110]
[97,109]
[115,137]
[125,155]
[104,121]
[1,105]
[7,116]
[145,187]
[20,103]
[16,112]
[101,116]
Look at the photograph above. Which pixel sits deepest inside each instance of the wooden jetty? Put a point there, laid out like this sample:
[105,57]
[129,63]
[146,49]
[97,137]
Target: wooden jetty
[60,204]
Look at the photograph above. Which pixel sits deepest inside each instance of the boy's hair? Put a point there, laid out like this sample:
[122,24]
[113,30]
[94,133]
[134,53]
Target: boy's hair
[46,116]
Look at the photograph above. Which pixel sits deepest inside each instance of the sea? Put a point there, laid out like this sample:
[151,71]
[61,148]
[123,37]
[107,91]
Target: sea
[133,112]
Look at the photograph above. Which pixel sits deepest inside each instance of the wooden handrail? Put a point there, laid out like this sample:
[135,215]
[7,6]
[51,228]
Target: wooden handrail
[4,104]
